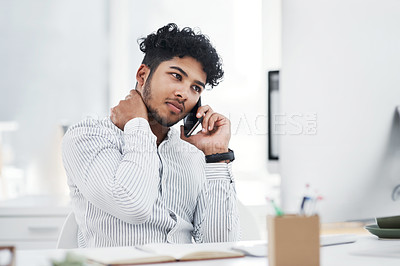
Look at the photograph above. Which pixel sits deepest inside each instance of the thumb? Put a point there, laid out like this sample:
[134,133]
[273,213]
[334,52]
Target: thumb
[182,133]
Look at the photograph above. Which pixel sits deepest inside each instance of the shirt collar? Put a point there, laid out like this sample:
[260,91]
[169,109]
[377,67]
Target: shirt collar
[172,134]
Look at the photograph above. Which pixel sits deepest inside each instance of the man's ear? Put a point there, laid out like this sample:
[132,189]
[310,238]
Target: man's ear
[141,75]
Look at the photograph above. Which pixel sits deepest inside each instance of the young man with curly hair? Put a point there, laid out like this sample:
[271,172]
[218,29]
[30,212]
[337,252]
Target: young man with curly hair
[135,180]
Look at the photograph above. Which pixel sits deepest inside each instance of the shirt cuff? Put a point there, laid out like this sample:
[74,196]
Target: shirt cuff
[219,170]
[138,135]
[138,123]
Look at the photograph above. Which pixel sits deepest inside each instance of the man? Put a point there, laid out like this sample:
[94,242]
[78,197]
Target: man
[133,179]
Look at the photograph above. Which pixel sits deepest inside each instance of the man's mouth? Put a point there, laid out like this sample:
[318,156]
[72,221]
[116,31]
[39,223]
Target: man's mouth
[175,106]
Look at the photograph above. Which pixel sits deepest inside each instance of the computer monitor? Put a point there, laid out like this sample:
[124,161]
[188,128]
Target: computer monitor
[341,63]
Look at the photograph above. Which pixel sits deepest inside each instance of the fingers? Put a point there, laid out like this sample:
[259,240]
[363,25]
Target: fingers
[114,117]
[131,94]
[183,134]
[206,112]
[137,92]
[131,107]
[211,119]
[212,122]
[215,135]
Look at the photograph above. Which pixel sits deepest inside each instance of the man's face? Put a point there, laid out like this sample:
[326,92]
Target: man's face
[173,89]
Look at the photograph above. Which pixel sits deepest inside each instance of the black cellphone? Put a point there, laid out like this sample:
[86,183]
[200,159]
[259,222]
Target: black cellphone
[190,122]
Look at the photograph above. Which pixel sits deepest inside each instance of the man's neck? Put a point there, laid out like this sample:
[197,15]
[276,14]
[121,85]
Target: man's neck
[158,130]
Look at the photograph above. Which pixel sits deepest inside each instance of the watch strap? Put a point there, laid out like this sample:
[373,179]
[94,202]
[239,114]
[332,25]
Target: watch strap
[218,157]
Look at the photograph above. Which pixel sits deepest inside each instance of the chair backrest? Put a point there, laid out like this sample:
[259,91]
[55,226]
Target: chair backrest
[68,237]
[248,224]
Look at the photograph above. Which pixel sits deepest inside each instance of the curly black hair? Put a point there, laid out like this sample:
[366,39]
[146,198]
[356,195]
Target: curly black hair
[169,42]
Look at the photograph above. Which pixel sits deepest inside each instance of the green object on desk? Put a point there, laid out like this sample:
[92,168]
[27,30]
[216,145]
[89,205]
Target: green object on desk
[278,210]
[70,260]
[383,232]
[389,222]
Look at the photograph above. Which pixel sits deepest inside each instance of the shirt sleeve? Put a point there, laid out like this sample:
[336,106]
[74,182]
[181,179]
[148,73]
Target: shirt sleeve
[120,177]
[216,217]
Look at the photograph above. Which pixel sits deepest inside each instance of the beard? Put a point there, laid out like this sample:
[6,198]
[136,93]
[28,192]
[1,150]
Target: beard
[153,112]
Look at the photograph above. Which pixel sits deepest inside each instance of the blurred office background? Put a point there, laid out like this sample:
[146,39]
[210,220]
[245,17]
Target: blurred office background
[61,61]
[337,123]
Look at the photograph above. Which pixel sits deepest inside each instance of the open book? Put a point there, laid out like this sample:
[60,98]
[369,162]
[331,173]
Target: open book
[154,253]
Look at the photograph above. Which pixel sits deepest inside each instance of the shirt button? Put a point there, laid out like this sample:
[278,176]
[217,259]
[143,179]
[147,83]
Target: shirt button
[172,215]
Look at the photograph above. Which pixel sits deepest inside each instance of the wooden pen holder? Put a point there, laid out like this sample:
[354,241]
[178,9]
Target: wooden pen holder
[293,240]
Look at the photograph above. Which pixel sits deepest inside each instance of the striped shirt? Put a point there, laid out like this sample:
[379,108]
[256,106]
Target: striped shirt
[126,191]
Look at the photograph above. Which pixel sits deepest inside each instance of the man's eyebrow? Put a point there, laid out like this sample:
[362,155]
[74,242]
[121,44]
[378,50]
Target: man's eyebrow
[200,83]
[186,75]
[180,70]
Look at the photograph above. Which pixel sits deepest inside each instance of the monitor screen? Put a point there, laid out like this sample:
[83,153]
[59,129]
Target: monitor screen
[342,75]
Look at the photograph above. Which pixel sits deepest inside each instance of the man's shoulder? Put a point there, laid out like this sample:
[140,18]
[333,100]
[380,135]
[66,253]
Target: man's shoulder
[93,123]
[91,127]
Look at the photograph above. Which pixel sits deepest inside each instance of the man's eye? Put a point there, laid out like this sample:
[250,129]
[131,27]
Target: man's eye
[197,88]
[177,76]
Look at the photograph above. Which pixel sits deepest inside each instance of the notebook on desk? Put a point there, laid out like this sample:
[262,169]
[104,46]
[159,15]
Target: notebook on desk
[155,253]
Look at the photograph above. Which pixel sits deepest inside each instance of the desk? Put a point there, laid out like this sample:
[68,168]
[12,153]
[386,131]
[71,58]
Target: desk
[330,256]
[32,222]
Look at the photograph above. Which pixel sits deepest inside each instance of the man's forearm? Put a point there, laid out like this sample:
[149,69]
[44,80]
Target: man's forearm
[122,184]
[221,218]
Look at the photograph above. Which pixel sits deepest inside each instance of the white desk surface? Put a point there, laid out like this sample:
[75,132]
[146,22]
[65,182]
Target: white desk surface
[375,252]
[36,205]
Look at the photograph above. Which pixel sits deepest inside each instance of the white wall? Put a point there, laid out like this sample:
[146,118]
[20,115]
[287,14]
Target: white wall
[340,60]
[53,70]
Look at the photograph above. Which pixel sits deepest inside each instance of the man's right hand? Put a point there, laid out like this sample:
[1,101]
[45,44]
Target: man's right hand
[132,107]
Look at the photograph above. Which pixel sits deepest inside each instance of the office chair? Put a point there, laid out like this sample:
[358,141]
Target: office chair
[68,237]
[248,225]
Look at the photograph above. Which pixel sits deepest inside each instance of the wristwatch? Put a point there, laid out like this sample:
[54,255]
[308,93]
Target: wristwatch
[218,157]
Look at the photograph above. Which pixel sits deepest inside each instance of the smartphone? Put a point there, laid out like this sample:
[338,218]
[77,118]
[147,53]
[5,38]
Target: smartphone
[190,122]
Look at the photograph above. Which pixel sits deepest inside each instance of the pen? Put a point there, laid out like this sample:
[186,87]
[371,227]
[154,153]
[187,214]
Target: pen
[278,211]
[303,203]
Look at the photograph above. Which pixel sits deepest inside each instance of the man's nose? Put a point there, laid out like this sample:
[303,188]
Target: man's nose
[182,92]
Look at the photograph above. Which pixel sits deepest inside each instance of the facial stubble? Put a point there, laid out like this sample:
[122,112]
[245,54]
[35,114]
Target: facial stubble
[153,112]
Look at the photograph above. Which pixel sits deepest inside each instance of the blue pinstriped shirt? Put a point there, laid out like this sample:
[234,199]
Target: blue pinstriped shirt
[127,191]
